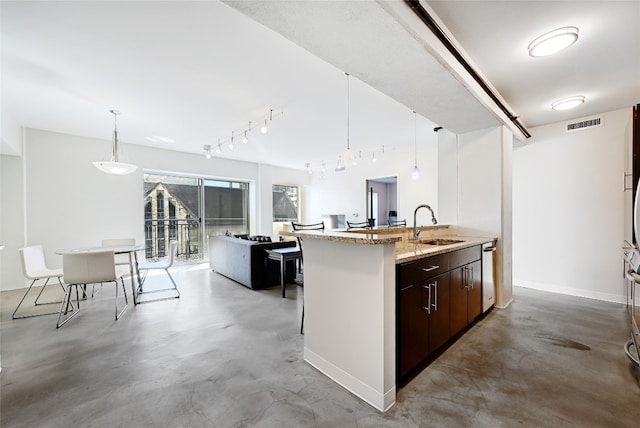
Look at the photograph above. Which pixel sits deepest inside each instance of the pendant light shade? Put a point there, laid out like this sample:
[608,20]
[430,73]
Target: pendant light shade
[415,173]
[114,166]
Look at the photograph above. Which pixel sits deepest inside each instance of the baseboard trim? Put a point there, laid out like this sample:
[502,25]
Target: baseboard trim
[377,399]
[577,292]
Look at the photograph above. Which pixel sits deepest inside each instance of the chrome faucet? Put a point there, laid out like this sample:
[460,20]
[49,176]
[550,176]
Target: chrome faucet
[416,231]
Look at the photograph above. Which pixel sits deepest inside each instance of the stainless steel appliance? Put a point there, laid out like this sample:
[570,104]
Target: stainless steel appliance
[488,279]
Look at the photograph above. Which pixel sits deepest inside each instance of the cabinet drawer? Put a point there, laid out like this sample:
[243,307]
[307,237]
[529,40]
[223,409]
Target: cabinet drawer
[465,256]
[420,270]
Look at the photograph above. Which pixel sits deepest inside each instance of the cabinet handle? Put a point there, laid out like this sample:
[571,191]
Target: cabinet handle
[471,278]
[435,295]
[429,269]
[428,307]
[465,281]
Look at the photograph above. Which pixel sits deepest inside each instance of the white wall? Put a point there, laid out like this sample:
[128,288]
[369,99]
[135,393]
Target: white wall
[345,192]
[474,192]
[568,209]
[11,218]
[69,203]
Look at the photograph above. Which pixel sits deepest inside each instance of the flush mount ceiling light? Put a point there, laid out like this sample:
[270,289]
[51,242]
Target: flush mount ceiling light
[114,166]
[568,103]
[553,41]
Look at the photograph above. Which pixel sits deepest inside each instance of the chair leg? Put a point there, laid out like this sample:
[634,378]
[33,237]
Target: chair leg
[13,316]
[43,287]
[66,302]
[175,287]
[126,300]
[174,283]
[22,300]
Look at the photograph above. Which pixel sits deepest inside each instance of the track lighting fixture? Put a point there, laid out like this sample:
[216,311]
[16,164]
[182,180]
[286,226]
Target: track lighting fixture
[264,128]
[229,142]
[207,151]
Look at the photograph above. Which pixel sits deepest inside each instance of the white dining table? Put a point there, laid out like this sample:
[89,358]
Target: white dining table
[131,250]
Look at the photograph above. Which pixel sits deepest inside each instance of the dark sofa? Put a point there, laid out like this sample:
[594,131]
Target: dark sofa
[245,261]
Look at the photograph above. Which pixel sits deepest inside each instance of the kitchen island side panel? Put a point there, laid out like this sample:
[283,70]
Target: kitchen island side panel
[349,325]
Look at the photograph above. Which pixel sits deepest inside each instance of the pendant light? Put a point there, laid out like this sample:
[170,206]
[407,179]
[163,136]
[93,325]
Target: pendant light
[349,157]
[114,166]
[415,173]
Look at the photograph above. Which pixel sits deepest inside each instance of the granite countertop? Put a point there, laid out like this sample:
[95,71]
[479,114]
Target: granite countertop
[406,249]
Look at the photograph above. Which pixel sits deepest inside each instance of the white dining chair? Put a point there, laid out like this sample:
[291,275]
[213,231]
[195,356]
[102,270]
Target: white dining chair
[88,268]
[35,268]
[160,265]
[123,265]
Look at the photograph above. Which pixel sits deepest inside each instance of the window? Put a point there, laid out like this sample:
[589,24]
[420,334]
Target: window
[285,203]
[189,209]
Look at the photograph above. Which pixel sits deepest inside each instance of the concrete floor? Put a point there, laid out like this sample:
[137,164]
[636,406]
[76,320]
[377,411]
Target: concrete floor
[226,356]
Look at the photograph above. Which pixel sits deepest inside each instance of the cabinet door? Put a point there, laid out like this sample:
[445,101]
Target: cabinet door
[439,317]
[413,329]
[474,292]
[458,287]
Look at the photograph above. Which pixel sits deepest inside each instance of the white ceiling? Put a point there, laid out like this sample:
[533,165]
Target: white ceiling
[196,71]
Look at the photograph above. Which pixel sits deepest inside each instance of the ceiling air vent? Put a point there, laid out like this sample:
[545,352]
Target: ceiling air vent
[584,124]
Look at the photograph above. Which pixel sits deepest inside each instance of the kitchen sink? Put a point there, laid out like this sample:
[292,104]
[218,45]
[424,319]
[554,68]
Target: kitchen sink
[440,241]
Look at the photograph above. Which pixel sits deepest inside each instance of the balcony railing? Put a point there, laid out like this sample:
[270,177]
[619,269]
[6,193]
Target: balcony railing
[187,232]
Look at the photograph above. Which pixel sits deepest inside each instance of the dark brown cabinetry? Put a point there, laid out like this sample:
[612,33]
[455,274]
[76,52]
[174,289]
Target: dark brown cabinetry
[423,309]
[466,295]
[436,298]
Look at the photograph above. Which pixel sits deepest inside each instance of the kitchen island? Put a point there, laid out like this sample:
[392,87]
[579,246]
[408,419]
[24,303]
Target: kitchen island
[350,302]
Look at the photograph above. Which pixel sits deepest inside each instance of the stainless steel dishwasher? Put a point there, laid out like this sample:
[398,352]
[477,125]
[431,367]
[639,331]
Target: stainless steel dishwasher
[488,278]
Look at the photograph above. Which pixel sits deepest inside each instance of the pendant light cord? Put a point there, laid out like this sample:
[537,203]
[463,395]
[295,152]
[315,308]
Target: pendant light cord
[348,109]
[415,141]
[115,148]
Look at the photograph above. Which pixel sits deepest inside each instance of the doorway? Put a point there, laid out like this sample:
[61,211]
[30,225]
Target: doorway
[381,200]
